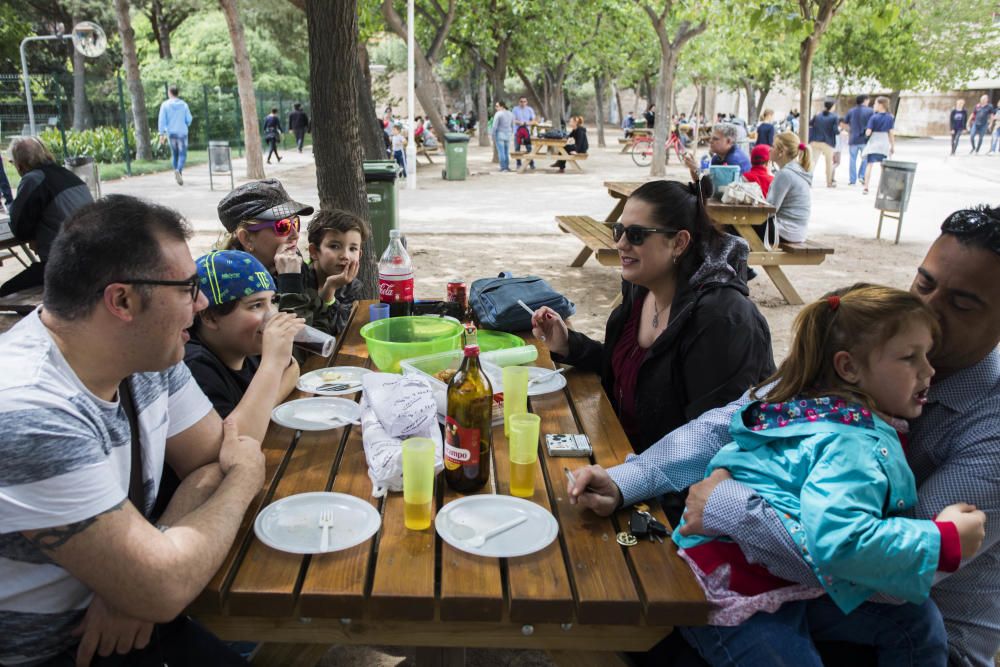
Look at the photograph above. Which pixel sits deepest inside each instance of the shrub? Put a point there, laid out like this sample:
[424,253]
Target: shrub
[104,144]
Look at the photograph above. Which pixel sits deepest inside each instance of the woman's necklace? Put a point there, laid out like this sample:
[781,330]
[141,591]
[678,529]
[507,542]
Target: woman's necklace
[656,314]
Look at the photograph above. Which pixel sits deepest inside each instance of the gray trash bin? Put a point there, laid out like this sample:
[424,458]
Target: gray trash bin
[893,197]
[456,151]
[86,169]
[220,162]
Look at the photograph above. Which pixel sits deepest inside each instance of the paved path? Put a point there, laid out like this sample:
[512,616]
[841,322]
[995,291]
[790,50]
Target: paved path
[493,203]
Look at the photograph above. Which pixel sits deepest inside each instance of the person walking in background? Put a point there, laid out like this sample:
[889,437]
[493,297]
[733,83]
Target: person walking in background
[958,119]
[524,118]
[980,122]
[857,119]
[995,140]
[823,138]
[881,137]
[399,147]
[650,115]
[272,132]
[175,118]
[765,129]
[298,123]
[503,130]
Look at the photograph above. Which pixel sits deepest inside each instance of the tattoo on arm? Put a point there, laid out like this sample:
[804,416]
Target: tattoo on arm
[50,539]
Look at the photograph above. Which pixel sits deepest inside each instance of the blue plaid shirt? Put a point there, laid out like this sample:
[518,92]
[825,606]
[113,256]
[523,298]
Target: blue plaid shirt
[954,451]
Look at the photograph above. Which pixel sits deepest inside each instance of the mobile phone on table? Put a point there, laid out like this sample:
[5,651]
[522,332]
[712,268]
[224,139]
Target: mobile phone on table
[568,444]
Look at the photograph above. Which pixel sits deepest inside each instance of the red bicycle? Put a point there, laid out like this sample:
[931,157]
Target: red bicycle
[642,149]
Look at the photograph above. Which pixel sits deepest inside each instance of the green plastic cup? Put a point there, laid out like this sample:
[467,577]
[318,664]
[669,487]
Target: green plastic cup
[515,394]
[418,482]
[523,445]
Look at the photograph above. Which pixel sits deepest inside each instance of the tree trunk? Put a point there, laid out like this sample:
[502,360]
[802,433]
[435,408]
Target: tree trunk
[751,98]
[333,86]
[244,79]
[482,118]
[161,31]
[81,108]
[599,92]
[807,49]
[614,105]
[426,86]
[130,61]
[370,127]
[621,110]
[664,110]
[894,102]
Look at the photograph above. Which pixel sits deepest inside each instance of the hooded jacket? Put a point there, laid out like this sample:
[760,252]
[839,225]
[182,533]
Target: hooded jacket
[836,475]
[716,345]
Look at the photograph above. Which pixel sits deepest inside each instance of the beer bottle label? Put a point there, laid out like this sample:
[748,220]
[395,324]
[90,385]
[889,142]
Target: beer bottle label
[395,289]
[461,445]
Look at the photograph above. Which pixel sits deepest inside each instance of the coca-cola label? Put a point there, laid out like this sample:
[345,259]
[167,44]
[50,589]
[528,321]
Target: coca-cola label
[392,288]
[461,445]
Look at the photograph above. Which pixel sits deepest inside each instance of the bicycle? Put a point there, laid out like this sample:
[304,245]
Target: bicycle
[642,149]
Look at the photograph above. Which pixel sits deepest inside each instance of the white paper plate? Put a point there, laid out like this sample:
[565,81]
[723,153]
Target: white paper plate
[292,524]
[547,386]
[316,414]
[461,519]
[350,375]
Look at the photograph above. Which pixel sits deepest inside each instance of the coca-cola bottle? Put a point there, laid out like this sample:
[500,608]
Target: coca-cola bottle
[395,277]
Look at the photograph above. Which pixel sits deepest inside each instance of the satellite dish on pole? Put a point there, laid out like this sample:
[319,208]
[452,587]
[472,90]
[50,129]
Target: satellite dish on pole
[89,39]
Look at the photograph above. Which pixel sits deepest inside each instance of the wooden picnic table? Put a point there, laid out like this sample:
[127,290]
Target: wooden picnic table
[23,302]
[582,593]
[740,217]
[9,246]
[548,149]
[537,128]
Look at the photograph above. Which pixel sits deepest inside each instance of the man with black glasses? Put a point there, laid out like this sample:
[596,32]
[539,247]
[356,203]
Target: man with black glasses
[953,448]
[95,400]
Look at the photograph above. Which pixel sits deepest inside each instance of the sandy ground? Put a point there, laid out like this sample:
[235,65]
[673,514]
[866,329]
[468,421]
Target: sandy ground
[492,222]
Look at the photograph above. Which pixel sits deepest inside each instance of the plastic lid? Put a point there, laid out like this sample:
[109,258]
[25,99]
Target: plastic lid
[394,233]
[472,350]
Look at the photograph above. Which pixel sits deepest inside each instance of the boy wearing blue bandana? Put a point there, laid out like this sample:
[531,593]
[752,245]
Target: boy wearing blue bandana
[240,351]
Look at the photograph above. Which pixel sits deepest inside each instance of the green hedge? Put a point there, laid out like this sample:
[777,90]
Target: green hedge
[104,144]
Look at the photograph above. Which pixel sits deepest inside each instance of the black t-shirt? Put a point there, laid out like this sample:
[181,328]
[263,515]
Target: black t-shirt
[223,386]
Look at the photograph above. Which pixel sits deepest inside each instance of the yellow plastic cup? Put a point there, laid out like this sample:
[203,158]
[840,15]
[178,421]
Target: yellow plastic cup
[418,482]
[523,447]
[515,394]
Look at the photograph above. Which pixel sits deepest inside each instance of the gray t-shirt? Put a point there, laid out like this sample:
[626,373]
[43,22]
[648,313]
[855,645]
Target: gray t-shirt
[67,457]
[791,194]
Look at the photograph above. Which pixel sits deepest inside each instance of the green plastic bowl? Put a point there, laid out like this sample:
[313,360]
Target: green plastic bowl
[497,340]
[393,339]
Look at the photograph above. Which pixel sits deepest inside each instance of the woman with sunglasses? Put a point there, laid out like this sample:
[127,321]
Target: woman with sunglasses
[263,220]
[686,337]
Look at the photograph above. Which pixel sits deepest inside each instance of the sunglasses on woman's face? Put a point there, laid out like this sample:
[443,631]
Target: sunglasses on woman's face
[282,228]
[636,235]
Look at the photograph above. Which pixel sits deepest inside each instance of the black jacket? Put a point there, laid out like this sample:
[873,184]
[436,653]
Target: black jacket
[716,345]
[298,121]
[46,196]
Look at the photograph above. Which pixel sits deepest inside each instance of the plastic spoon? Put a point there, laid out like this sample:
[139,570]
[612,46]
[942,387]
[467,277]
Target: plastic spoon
[479,540]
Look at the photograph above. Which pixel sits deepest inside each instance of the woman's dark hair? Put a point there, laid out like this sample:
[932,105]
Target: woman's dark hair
[116,238]
[682,207]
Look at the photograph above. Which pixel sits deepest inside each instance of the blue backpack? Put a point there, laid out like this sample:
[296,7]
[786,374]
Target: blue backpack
[494,301]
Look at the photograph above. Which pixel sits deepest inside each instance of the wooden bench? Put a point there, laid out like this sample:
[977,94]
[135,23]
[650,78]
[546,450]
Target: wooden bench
[427,152]
[596,237]
[22,302]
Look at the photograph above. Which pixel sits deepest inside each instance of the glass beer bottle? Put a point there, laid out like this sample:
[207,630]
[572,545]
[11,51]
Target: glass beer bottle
[468,429]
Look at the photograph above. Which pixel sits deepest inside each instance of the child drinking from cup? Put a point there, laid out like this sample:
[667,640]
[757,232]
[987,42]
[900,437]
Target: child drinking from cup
[823,444]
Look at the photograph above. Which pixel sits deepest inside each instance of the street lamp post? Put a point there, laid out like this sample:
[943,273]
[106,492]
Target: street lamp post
[88,38]
[411,146]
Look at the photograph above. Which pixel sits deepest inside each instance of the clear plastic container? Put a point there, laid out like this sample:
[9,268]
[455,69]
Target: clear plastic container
[431,365]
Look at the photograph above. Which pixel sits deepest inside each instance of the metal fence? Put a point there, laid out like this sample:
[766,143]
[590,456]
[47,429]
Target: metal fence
[215,109]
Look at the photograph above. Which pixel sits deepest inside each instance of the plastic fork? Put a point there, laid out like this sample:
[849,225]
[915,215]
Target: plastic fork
[325,524]
[543,378]
[479,540]
[340,386]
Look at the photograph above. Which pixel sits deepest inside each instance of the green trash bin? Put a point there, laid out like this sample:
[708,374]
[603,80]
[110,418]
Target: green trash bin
[383,207]
[456,150]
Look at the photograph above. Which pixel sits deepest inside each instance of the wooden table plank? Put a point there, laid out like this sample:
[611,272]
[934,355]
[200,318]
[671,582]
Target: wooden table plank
[604,588]
[335,583]
[670,593]
[470,586]
[538,585]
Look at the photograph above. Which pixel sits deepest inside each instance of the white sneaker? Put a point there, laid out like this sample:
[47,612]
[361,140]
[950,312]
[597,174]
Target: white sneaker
[179,178]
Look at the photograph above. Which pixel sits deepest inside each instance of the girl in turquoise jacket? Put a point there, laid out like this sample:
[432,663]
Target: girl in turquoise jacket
[822,447]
